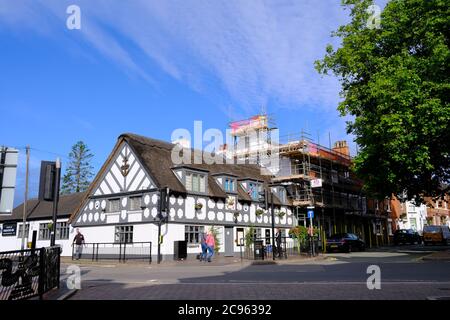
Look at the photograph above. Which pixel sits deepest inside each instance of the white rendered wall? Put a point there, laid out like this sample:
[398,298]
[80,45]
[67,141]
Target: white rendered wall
[10,243]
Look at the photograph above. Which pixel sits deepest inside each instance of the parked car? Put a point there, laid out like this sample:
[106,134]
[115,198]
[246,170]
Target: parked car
[410,236]
[345,242]
[436,235]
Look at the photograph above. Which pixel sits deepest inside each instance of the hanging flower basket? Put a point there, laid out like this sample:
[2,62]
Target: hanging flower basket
[50,226]
[259,212]
[281,214]
[230,202]
[198,206]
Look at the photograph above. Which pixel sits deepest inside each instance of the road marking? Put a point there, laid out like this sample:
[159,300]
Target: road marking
[253,282]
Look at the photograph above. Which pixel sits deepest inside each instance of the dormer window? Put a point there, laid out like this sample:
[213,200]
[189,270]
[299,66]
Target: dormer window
[253,190]
[196,182]
[229,185]
[282,195]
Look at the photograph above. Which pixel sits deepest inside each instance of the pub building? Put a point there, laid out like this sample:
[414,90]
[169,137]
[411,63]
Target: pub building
[122,203]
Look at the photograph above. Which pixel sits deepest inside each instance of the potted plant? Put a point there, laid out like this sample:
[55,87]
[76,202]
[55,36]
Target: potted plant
[300,234]
[281,214]
[259,212]
[250,236]
[198,206]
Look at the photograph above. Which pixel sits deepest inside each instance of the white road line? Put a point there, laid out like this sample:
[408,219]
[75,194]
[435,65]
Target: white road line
[239,282]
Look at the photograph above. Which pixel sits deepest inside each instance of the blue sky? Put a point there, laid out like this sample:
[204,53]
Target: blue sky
[150,67]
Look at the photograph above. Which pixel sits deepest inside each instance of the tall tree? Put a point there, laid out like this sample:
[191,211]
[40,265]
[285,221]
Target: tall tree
[79,170]
[395,82]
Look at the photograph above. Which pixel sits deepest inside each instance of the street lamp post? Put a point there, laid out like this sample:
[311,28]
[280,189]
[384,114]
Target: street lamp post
[55,200]
[272,211]
[162,216]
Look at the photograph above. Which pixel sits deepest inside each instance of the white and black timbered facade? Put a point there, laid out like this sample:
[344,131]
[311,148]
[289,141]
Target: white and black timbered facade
[122,202]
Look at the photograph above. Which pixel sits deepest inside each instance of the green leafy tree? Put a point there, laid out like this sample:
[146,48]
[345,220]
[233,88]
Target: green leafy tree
[301,234]
[250,236]
[79,170]
[395,84]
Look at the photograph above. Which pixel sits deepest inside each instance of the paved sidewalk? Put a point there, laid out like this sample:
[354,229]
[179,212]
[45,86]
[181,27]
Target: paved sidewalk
[217,261]
[438,256]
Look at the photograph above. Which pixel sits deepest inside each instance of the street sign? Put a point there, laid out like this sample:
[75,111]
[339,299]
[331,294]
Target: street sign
[9,229]
[310,214]
[316,183]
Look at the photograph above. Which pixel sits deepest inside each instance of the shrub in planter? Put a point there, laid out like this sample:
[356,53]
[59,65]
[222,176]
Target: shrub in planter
[281,214]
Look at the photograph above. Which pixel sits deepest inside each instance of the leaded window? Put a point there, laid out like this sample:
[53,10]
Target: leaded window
[124,234]
[192,234]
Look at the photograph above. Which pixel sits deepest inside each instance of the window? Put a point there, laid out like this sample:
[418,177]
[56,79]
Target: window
[229,185]
[282,195]
[195,182]
[192,234]
[253,190]
[258,233]
[247,142]
[268,236]
[62,230]
[44,231]
[135,203]
[240,236]
[27,231]
[124,234]
[114,205]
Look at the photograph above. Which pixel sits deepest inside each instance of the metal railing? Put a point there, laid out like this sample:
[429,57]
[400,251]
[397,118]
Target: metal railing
[262,249]
[113,251]
[29,273]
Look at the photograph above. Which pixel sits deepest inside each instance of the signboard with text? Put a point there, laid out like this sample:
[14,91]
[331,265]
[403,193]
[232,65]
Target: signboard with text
[9,229]
[316,183]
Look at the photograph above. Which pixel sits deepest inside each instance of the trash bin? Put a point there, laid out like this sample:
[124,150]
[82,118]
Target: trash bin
[180,250]
[259,250]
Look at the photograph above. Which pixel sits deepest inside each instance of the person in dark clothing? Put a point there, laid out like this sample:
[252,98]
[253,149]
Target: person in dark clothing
[278,243]
[79,242]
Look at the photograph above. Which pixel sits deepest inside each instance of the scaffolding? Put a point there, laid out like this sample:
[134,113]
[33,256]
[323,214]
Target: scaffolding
[305,167]
[312,174]
[252,138]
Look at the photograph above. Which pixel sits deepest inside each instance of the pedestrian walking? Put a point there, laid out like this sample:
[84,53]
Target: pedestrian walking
[211,244]
[79,243]
[204,246]
[278,242]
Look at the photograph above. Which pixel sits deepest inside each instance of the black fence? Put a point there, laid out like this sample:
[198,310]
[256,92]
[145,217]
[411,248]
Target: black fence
[262,249]
[113,251]
[29,273]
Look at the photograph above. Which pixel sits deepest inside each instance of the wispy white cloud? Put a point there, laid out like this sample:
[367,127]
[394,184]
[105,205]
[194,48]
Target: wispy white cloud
[258,52]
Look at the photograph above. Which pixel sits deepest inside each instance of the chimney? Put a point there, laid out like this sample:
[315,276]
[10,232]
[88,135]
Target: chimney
[342,147]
